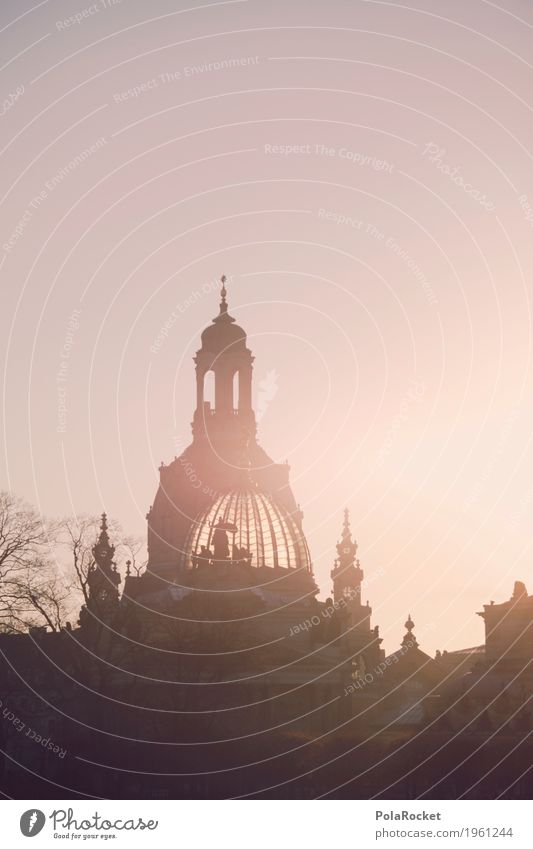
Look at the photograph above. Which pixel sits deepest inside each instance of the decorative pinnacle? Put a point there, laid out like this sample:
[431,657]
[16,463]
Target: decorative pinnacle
[223,293]
[346,547]
[223,314]
[346,525]
[347,533]
[409,640]
[103,551]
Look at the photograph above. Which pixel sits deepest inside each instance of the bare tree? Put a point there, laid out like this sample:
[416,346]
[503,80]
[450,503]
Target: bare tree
[45,566]
[36,597]
[130,549]
[23,535]
[29,591]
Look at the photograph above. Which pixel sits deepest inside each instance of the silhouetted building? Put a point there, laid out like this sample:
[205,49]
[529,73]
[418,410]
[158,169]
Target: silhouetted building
[494,690]
[225,459]
[218,672]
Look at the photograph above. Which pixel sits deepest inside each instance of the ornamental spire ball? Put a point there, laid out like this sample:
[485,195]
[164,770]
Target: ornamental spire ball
[409,640]
[223,311]
[223,293]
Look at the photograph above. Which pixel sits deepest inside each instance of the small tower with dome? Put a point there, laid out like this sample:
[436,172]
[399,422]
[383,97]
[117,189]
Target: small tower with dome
[224,474]
[224,353]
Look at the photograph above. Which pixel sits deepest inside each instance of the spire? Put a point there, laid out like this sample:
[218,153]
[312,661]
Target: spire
[103,551]
[347,573]
[223,293]
[346,532]
[409,641]
[223,314]
[102,579]
[347,547]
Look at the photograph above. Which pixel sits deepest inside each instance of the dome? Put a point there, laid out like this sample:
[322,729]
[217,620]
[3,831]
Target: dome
[247,527]
[222,335]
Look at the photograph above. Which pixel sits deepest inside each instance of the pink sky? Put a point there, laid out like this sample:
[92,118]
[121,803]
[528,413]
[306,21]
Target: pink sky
[361,171]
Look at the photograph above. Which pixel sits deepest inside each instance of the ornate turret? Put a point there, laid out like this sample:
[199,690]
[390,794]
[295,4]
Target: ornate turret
[103,578]
[361,641]
[347,574]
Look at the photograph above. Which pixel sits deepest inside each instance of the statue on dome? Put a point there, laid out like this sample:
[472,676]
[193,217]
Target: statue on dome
[220,539]
[202,559]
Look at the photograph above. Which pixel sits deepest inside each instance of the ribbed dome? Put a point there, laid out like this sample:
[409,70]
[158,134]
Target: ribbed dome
[247,527]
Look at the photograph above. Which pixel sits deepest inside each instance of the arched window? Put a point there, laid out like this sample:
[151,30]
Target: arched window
[209,388]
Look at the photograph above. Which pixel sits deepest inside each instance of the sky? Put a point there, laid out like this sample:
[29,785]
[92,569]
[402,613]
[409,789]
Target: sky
[362,173]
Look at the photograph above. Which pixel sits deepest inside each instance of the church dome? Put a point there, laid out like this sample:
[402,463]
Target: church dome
[247,527]
[223,334]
